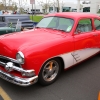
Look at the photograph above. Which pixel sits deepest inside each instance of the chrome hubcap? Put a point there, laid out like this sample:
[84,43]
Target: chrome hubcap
[50,70]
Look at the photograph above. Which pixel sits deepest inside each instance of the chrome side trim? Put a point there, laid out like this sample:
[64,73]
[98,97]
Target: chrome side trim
[80,55]
[76,56]
[17,80]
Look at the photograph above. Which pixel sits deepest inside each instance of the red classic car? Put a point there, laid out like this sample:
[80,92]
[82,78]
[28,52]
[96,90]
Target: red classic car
[59,41]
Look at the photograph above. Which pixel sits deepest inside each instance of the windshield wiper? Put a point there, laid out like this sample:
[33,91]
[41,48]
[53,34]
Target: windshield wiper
[56,29]
[62,30]
[51,28]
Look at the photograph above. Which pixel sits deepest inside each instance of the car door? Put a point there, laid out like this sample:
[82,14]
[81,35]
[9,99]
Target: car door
[97,30]
[85,40]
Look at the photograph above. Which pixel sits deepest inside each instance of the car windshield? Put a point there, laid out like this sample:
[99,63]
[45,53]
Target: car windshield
[59,23]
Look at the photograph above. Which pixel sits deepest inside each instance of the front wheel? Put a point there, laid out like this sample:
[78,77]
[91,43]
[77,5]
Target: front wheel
[49,72]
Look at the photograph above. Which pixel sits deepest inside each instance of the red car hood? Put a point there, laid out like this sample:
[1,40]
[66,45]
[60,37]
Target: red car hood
[27,39]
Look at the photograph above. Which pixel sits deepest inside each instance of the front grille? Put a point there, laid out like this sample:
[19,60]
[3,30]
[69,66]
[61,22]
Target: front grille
[4,59]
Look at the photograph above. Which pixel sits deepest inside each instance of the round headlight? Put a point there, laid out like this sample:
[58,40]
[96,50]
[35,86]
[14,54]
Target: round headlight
[20,57]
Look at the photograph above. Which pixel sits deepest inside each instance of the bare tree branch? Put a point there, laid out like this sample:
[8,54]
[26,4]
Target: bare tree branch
[45,5]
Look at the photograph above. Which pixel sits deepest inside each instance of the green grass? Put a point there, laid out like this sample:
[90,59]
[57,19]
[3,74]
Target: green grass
[85,21]
[36,18]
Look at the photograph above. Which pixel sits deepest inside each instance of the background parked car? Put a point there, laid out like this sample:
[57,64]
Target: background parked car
[34,12]
[11,27]
[24,19]
[6,30]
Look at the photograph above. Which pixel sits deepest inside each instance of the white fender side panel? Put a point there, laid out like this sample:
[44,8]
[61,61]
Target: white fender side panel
[77,56]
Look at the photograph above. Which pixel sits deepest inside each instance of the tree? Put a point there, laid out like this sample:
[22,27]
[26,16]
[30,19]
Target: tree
[81,6]
[45,4]
[14,6]
[21,4]
[4,3]
[56,3]
[1,6]
[8,5]
[9,2]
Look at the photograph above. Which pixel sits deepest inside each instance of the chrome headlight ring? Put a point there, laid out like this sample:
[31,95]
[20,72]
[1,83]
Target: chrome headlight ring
[20,57]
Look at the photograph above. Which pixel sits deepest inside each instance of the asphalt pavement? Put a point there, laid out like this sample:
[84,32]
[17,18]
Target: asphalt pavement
[81,82]
[1,98]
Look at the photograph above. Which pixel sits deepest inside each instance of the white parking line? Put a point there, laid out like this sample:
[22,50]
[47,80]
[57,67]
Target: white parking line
[4,94]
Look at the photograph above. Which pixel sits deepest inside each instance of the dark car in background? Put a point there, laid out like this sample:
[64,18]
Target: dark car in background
[6,30]
[34,11]
[5,20]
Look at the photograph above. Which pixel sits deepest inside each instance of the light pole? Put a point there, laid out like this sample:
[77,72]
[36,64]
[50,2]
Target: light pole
[78,5]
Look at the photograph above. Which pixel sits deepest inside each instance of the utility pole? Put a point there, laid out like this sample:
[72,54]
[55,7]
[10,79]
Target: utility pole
[58,6]
[32,2]
[32,11]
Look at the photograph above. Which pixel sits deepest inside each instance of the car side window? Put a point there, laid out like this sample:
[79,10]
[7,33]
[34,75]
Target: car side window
[97,24]
[84,25]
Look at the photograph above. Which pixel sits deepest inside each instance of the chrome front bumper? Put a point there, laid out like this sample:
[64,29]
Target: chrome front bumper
[17,80]
[10,65]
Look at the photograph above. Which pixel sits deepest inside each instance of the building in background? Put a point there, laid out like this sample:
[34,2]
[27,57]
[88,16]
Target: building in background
[64,7]
[92,6]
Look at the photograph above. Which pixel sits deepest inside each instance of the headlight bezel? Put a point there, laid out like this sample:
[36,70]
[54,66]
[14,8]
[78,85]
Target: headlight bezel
[20,57]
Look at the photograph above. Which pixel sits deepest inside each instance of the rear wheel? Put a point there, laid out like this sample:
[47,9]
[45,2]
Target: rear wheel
[50,71]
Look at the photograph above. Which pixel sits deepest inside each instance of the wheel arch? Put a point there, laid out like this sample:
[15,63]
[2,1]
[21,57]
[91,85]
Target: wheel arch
[61,60]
